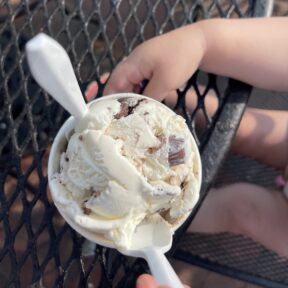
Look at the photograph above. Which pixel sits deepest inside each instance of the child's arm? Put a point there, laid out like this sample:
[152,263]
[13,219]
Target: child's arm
[252,50]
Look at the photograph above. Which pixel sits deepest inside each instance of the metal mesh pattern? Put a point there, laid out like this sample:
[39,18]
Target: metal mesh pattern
[36,246]
[232,253]
[234,170]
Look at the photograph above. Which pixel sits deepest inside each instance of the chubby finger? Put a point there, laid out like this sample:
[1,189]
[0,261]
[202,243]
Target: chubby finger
[161,83]
[156,87]
[146,281]
[91,91]
[92,88]
[104,77]
[124,78]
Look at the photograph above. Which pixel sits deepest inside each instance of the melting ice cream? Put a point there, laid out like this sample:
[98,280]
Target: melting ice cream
[129,161]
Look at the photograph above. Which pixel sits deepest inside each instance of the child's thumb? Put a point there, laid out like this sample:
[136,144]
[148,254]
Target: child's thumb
[146,281]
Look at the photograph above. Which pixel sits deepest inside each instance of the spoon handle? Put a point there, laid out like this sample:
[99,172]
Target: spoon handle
[52,69]
[161,268]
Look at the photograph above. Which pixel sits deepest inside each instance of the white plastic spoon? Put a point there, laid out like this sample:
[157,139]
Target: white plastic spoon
[52,69]
[150,242]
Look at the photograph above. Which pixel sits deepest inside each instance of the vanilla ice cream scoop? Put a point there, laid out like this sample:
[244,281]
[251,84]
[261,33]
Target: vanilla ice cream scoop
[130,160]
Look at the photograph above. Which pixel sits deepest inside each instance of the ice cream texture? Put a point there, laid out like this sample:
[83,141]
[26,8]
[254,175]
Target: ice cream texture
[129,160]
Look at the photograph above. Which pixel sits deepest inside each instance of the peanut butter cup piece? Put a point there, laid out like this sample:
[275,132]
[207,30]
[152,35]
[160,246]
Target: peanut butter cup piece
[176,155]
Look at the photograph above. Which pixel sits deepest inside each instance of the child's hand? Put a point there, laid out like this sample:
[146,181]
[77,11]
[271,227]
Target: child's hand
[147,281]
[250,50]
[167,61]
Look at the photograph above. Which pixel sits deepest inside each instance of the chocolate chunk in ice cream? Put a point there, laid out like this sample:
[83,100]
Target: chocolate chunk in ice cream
[176,151]
[86,211]
[124,110]
[128,105]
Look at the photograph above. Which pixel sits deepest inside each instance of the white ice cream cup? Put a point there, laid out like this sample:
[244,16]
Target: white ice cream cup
[59,146]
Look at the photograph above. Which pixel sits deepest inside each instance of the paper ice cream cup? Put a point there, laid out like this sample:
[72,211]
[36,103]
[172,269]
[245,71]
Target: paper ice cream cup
[59,146]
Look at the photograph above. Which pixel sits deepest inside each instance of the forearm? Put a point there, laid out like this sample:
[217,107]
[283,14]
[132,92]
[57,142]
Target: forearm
[251,50]
[263,135]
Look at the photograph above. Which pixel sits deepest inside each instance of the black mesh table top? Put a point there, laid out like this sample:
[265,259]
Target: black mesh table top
[235,256]
[37,248]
